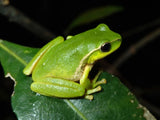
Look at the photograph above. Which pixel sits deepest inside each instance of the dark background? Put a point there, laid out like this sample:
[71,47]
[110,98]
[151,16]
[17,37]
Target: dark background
[140,72]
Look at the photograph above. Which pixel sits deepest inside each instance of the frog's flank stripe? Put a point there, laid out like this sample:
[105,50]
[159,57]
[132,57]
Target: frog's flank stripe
[81,63]
[12,53]
[69,103]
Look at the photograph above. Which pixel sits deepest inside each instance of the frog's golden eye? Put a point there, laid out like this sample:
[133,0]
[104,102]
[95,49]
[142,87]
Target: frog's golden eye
[106,47]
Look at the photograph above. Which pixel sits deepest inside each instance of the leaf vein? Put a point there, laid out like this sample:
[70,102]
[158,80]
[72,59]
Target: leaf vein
[5,48]
[75,109]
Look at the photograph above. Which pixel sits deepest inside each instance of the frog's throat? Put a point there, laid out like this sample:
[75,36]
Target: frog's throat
[80,69]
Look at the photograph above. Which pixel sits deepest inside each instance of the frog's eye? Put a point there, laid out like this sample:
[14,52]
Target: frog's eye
[106,47]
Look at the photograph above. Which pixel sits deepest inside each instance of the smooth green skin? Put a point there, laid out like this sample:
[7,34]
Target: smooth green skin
[61,68]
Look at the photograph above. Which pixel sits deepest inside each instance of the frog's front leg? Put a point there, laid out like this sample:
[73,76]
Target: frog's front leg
[96,84]
[58,87]
[92,86]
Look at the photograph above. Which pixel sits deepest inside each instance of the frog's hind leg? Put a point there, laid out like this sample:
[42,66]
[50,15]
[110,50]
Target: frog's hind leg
[58,88]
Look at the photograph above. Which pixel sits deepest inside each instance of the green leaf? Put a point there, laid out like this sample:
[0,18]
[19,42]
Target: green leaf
[115,102]
[94,14]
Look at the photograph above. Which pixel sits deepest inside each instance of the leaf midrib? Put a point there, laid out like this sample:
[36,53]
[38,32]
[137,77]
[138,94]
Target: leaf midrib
[75,109]
[12,53]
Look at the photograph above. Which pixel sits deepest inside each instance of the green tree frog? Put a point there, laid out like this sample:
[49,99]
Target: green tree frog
[61,68]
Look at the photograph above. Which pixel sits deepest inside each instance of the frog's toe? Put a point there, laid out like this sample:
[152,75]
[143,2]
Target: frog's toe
[89,97]
[97,89]
[103,81]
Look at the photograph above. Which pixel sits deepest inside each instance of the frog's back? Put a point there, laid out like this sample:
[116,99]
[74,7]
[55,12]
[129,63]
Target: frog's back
[63,59]
[67,58]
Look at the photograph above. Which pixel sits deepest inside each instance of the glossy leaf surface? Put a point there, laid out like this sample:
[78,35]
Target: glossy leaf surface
[114,102]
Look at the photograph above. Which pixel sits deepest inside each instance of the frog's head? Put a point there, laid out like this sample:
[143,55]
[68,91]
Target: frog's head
[106,42]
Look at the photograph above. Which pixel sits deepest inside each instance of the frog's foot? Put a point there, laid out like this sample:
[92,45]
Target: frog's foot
[95,83]
[91,91]
[89,97]
[95,87]
[103,81]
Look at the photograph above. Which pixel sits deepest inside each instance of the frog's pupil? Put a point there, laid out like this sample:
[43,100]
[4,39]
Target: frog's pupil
[106,47]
